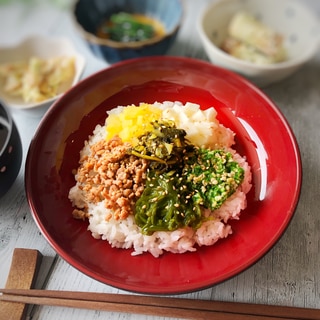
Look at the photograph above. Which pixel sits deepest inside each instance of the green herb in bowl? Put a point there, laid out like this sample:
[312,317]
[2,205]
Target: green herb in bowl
[126,27]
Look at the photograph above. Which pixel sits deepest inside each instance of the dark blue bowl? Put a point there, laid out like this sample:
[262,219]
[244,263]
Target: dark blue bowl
[10,150]
[90,14]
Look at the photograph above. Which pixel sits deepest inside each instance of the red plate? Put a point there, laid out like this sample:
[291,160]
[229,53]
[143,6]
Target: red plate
[262,135]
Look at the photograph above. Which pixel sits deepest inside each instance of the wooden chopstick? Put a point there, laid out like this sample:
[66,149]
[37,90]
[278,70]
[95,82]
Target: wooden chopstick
[160,306]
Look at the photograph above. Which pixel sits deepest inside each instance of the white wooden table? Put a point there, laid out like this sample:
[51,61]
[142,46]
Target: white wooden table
[287,275]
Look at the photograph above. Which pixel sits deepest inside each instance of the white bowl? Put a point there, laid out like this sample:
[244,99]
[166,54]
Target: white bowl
[291,18]
[40,47]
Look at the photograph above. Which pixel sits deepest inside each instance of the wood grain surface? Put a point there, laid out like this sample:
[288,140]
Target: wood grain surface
[287,275]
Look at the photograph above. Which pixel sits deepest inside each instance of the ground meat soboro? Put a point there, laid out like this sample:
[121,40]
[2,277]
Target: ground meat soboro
[111,175]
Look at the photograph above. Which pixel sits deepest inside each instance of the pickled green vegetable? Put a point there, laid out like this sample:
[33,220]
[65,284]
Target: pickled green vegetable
[172,200]
[166,204]
[165,146]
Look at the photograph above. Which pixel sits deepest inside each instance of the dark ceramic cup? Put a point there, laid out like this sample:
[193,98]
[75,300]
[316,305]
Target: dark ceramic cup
[10,150]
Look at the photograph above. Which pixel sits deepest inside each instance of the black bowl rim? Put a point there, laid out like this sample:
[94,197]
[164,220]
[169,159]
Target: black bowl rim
[9,119]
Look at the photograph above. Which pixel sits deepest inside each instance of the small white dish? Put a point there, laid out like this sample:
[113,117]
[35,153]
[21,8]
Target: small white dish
[42,47]
[296,22]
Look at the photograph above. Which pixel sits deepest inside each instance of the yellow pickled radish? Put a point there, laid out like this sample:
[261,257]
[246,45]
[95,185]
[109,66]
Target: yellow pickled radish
[132,122]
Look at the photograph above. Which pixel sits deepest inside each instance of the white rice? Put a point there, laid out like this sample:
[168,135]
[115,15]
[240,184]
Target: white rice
[202,129]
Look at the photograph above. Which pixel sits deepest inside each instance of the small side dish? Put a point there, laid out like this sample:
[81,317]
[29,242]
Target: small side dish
[160,177]
[251,40]
[122,30]
[292,20]
[36,79]
[37,70]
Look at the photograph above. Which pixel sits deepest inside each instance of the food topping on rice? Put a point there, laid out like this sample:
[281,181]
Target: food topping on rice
[160,177]
[132,122]
[112,175]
